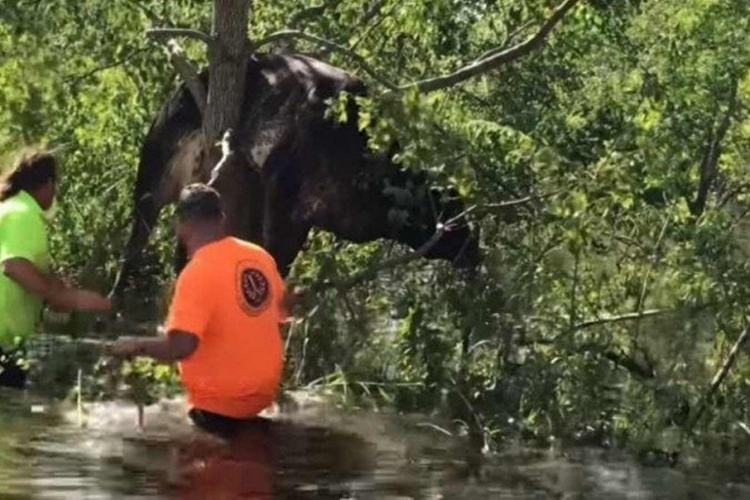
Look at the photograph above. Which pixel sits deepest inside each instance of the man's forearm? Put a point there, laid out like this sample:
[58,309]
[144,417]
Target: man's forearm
[55,281]
[160,349]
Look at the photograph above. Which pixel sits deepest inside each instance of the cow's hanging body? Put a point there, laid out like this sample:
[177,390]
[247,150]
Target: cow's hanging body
[294,169]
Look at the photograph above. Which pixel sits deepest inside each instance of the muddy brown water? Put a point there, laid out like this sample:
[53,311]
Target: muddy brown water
[312,451]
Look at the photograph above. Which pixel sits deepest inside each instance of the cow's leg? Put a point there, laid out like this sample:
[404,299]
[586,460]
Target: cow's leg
[146,212]
[169,158]
[284,238]
[285,230]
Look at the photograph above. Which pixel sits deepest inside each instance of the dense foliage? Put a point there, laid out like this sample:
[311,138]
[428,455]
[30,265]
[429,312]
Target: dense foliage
[606,301]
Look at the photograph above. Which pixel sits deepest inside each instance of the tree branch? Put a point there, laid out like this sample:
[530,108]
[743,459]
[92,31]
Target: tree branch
[620,318]
[296,34]
[521,201]
[508,39]
[631,365]
[177,57]
[167,33]
[74,79]
[711,155]
[373,11]
[371,272]
[497,59]
[150,14]
[718,378]
[619,359]
[188,72]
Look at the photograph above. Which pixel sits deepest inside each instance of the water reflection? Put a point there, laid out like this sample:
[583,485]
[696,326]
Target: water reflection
[311,452]
[266,459]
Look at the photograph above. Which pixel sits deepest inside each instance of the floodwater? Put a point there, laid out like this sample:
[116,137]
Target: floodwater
[311,451]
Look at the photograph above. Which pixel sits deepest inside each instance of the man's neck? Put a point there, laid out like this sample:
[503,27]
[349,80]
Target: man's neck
[201,240]
[37,198]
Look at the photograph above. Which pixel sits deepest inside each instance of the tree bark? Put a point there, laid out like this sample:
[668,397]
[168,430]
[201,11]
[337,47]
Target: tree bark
[227,59]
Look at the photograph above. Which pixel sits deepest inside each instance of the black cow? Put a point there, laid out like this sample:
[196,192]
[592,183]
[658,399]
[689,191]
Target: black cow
[294,169]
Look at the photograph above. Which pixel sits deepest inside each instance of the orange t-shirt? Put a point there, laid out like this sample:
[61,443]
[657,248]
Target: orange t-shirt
[229,295]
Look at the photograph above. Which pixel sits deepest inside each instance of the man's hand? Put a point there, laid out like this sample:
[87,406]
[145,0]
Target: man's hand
[123,347]
[176,345]
[292,298]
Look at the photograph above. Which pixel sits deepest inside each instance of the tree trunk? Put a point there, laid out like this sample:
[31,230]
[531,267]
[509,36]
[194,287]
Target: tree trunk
[227,59]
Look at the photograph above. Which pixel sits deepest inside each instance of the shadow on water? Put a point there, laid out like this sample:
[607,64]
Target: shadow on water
[313,451]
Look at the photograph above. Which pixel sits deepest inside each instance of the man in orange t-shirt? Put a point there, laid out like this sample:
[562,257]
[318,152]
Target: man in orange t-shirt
[224,322]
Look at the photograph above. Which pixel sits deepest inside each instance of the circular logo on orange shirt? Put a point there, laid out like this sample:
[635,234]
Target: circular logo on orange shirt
[254,289]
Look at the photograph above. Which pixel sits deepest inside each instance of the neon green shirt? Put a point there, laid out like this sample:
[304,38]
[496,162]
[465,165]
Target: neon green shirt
[23,233]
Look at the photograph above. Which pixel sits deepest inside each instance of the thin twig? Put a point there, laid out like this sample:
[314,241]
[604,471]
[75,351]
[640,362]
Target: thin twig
[74,79]
[651,266]
[150,14]
[368,16]
[520,201]
[311,12]
[508,39]
[367,274]
[496,60]
[630,364]
[597,322]
[435,427]
[167,33]
[373,11]
[620,318]
[333,46]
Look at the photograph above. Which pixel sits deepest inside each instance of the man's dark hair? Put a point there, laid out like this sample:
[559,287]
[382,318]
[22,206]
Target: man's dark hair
[31,171]
[199,202]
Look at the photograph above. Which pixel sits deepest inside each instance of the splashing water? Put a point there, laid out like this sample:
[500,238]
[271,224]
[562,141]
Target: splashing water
[312,451]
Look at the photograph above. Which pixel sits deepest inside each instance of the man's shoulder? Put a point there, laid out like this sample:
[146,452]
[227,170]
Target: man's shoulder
[15,211]
[250,248]
[247,250]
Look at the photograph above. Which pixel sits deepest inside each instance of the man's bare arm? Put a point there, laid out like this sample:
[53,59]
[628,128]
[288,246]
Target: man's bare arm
[176,345]
[50,288]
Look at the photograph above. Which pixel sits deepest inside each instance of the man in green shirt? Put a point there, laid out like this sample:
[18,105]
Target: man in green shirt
[26,282]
